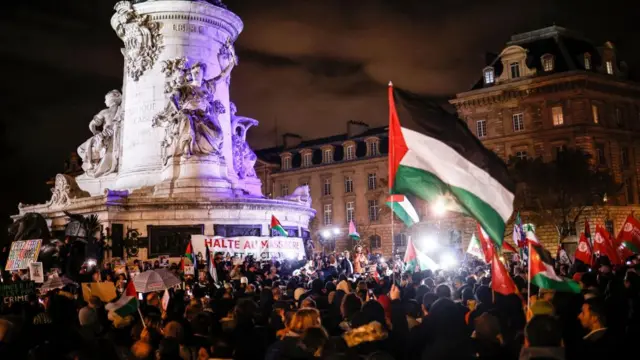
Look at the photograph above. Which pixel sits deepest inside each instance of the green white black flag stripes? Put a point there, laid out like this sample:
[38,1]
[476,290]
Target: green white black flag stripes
[446,159]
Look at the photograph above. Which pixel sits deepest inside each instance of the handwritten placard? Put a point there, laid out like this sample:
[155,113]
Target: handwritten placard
[22,254]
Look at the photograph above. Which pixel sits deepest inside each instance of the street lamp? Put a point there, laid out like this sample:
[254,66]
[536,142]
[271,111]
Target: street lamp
[439,206]
[329,235]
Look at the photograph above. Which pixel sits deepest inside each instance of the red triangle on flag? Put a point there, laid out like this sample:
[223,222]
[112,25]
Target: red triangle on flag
[131,289]
[397,145]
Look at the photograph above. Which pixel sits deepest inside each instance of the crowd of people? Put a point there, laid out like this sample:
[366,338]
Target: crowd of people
[328,308]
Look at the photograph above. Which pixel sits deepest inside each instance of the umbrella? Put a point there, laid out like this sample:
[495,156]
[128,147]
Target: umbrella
[56,282]
[155,280]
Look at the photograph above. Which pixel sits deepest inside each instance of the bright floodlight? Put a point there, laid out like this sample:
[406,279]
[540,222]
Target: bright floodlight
[326,234]
[430,244]
[91,262]
[382,260]
[447,261]
[439,206]
[336,231]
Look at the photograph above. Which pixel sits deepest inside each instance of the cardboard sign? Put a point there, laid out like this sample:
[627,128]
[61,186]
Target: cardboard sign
[106,291]
[17,292]
[262,248]
[23,253]
[36,272]
[189,270]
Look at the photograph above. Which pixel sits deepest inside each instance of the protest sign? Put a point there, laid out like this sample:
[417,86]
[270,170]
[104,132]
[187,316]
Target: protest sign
[189,270]
[17,292]
[23,253]
[261,248]
[106,291]
[36,272]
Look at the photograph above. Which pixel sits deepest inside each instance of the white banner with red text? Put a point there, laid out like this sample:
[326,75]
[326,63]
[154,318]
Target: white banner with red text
[261,248]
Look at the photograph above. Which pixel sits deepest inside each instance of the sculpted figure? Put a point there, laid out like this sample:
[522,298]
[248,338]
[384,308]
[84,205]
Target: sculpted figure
[190,118]
[244,159]
[99,154]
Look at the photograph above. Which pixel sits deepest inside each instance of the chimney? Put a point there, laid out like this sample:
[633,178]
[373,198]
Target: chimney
[290,140]
[355,128]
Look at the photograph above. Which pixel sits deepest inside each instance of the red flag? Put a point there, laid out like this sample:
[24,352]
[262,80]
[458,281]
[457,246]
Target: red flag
[602,244]
[131,289]
[501,282]
[506,246]
[583,251]
[627,242]
[485,243]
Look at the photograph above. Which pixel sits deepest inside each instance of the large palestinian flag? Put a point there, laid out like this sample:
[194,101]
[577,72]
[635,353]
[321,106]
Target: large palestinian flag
[542,273]
[445,159]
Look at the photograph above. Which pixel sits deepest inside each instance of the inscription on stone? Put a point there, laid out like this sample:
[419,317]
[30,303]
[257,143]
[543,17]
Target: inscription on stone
[189,28]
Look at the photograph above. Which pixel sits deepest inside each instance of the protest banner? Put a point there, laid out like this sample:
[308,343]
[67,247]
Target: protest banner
[36,272]
[261,248]
[23,253]
[106,291]
[17,292]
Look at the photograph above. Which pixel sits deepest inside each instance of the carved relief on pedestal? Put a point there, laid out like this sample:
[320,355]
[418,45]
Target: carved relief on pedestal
[244,159]
[101,152]
[301,195]
[65,190]
[190,118]
[141,37]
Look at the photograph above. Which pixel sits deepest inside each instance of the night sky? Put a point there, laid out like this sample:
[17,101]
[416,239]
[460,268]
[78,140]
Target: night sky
[305,66]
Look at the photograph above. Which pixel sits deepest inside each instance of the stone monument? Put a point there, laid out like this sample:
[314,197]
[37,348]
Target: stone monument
[169,149]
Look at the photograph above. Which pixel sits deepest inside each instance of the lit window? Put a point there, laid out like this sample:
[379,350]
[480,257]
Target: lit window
[286,163]
[521,155]
[326,189]
[587,61]
[372,181]
[351,210]
[327,156]
[515,70]
[348,185]
[518,122]
[547,62]
[373,210]
[327,214]
[373,148]
[609,66]
[601,159]
[481,128]
[350,152]
[307,159]
[284,189]
[556,114]
[595,114]
[489,76]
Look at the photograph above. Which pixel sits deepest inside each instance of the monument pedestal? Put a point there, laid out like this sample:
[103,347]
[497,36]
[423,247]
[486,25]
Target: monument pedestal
[97,186]
[197,176]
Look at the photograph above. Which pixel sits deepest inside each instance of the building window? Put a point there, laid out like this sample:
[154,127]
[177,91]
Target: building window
[518,122]
[400,240]
[618,117]
[351,211]
[372,182]
[595,114]
[547,62]
[521,154]
[630,193]
[556,114]
[373,210]
[489,76]
[601,159]
[624,157]
[326,189]
[350,152]
[587,61]
[481,128]
[515,70]
[609,66]
[375,242]
[327,214]
[307,159]
[373,148]
[286,163]
[284,189]
[327,156]
[348,185]
[557,150]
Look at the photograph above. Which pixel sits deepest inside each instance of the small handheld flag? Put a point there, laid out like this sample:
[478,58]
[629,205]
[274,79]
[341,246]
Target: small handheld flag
[275,225]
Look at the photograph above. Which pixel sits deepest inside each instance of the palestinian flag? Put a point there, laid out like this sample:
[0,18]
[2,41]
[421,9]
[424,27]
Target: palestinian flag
[352,231]
[474,247]
[411,258]
[445,159]
[485,244]
[402,207]
[275,225]
[530,234]
[188,253]
[127,304]
[501,282]
[542,273]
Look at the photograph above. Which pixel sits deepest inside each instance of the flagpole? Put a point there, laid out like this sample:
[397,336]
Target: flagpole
[389,181]
[529,277]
